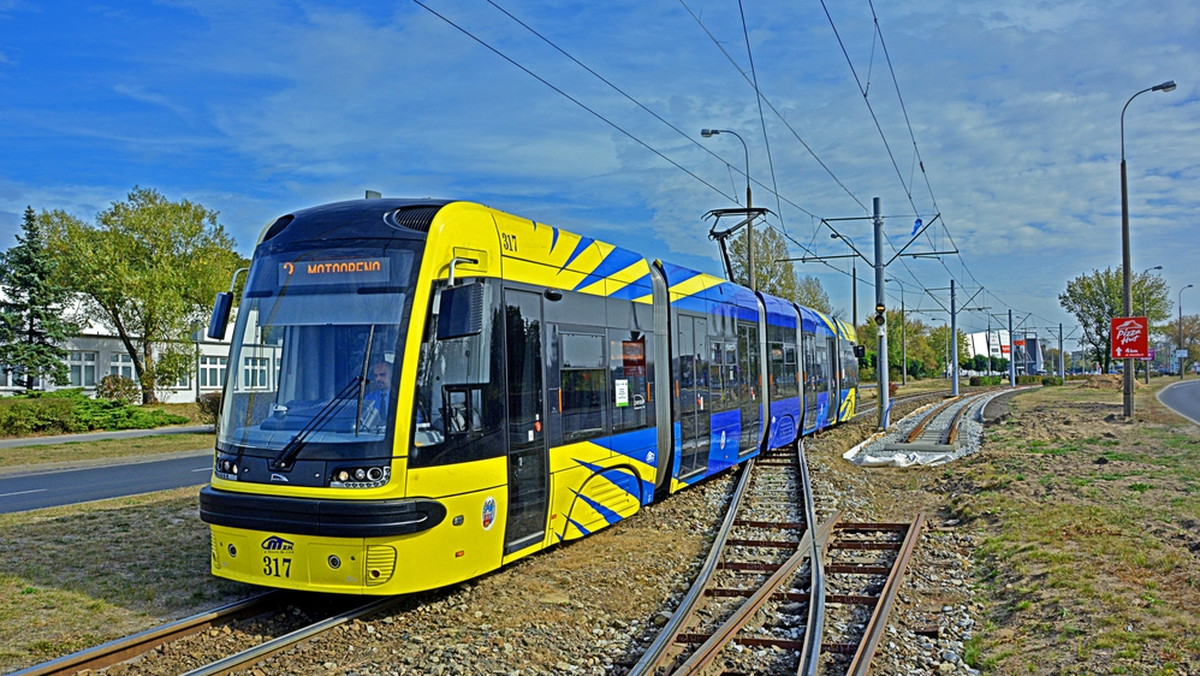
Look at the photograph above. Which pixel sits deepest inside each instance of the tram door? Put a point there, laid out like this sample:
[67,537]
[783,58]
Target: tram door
[694,400]
[835,381]
[527,458]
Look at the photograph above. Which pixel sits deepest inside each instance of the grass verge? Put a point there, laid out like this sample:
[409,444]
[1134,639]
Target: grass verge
[105,449]
[1089,531]
[76,576]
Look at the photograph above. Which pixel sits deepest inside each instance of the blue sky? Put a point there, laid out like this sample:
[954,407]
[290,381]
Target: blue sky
[255,109]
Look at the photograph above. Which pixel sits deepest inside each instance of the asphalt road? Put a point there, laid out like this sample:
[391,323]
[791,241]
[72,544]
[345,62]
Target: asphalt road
[36,490]
[1183,398]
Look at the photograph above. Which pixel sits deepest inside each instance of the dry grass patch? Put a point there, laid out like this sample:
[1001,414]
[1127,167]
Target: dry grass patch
[75,576]
[105,449]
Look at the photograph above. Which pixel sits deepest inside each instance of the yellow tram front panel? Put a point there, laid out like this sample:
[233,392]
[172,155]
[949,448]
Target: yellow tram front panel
[466,543]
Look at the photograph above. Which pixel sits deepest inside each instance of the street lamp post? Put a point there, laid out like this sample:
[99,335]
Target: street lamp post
[903,336]
[1144,313]
[1180,304]
[708,133]
[1127,292]
[853,276]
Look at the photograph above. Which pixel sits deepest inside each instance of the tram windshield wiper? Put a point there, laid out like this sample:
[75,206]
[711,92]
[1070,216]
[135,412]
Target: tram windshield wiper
[344,396]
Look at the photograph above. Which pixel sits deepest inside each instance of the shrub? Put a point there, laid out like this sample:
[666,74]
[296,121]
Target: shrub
[119,388]
[69,411]
[1052,380]
[986,380]
[210,407]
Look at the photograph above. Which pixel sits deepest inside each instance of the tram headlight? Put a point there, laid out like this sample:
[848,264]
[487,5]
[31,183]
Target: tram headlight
[225,468]
[370,476]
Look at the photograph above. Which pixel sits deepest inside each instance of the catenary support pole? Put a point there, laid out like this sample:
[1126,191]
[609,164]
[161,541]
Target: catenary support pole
[954,342]
[881,360]
[1012,354]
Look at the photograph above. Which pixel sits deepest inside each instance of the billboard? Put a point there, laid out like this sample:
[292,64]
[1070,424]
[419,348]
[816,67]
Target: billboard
[1130,338]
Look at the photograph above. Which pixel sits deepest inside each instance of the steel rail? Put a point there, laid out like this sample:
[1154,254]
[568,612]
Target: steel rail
[266,649]
[861,662]
[868,410]
[952,432]
[810,655]
[129,647]
[657,651]
[920,428]
[723,635]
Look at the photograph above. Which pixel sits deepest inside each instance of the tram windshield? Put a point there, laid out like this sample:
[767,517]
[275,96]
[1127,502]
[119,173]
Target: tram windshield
[314,361]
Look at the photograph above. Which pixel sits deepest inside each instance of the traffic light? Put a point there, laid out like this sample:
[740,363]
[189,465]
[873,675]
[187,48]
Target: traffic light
[879,316]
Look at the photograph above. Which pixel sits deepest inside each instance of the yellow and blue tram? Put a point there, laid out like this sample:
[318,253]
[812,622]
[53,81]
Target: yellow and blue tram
[424,391]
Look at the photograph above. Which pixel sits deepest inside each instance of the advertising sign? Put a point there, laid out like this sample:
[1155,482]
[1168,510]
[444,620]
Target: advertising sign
[1130,338]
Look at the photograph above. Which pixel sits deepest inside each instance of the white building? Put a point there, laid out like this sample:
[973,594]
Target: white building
[95,353]
[1029,358]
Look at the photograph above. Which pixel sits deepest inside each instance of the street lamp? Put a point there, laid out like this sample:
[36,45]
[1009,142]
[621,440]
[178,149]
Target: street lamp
[1144,313]
[708,133]
[853,275]
[1127,290]
[1180,304]
[903,336]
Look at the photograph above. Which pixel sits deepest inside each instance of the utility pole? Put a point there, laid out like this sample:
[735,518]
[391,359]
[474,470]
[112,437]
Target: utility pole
[954,342]
[1012,354]
[1062,364]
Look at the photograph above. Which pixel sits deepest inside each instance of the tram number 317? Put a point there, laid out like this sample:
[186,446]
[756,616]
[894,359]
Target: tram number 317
[273,566]
[509,242]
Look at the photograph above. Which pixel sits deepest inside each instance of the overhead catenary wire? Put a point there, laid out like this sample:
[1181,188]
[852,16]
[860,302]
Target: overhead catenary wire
[762,100]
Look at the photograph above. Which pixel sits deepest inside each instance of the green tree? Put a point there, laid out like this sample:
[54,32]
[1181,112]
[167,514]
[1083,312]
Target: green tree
[33,327]
[907,337]
[939,342]
[773,274]
[1191,340]
[1095,298]
[149,268]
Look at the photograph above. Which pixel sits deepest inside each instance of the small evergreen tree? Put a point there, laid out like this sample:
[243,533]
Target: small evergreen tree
[32,326]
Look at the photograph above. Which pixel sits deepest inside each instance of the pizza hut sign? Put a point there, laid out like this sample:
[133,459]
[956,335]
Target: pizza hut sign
[1130,338]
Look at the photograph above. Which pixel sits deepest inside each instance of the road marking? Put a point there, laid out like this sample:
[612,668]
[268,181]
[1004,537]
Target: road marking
[203,469]
[36,490]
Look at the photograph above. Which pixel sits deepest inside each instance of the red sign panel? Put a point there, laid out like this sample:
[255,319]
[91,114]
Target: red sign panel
[1130,338]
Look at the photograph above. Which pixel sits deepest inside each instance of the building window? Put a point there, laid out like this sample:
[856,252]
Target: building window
[121,365]
[254,372]
[212,371]
[82,366]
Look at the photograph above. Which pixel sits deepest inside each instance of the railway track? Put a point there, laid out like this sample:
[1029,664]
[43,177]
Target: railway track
[937,429]
[772,584]
[333,610]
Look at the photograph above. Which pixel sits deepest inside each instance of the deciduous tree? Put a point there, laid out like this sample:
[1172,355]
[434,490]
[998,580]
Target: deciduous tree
[773,274]
[1098,296]
[149,269]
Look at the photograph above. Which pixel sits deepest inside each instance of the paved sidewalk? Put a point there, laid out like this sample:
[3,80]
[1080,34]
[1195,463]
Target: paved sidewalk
[97,436]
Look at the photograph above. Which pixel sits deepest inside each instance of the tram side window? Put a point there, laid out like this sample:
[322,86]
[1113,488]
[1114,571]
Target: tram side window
[791,382]
[849,366]
[716,376]
[822,364]
[632,401]
[583,386]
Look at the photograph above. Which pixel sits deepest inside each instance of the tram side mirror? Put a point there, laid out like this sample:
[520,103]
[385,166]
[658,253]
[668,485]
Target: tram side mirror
[460,311]
[220,315]
[860,351]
